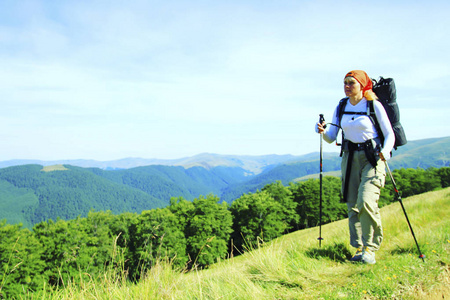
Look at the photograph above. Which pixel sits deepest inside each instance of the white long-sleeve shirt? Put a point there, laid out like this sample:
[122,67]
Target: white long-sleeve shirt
[359,128]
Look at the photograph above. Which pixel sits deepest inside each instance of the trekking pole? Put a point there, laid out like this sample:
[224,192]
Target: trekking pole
[321,120]
[399,198]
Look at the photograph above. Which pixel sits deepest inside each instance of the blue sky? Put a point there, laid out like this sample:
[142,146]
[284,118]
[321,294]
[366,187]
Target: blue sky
[168,79]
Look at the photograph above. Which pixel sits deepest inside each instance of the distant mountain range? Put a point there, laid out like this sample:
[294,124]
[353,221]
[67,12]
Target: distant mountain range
[32,191]
[252,164]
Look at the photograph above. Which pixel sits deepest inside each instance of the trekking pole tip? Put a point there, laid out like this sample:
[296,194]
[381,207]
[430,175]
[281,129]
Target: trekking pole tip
[422,256]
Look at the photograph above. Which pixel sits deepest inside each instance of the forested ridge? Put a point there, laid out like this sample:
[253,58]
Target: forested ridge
[190,233]
[29,195]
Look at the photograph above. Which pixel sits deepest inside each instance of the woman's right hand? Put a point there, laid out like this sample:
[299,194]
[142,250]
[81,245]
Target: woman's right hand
[320,127]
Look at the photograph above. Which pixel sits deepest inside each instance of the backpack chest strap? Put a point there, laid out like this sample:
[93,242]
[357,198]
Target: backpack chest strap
[369,111]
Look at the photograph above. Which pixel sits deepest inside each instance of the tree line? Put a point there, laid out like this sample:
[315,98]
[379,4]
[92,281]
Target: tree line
[190,234]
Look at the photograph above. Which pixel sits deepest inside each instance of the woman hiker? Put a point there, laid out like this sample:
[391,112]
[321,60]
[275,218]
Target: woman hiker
[362,167]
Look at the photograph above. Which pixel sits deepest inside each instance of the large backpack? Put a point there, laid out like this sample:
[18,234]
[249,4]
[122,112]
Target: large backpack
[386,92]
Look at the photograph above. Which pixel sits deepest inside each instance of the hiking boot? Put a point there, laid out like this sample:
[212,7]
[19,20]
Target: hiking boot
[358,255]
[368,257]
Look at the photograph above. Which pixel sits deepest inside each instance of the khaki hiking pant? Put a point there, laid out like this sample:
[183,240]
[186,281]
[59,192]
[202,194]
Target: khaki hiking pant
[364,187]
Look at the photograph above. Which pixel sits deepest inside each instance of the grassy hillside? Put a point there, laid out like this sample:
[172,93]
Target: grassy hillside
[422,154]
[294,267]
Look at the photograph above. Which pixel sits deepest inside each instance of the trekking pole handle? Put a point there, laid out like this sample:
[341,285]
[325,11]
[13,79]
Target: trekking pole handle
[322,120]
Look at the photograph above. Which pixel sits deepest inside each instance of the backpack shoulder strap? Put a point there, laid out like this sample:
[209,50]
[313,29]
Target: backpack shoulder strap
[339,114]
[374,119]
[341,109]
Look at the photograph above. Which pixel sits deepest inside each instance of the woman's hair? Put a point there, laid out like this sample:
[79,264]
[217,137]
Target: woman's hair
[370,95]
[366,83]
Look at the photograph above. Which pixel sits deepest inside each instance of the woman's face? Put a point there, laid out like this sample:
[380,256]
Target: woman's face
[351,87]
